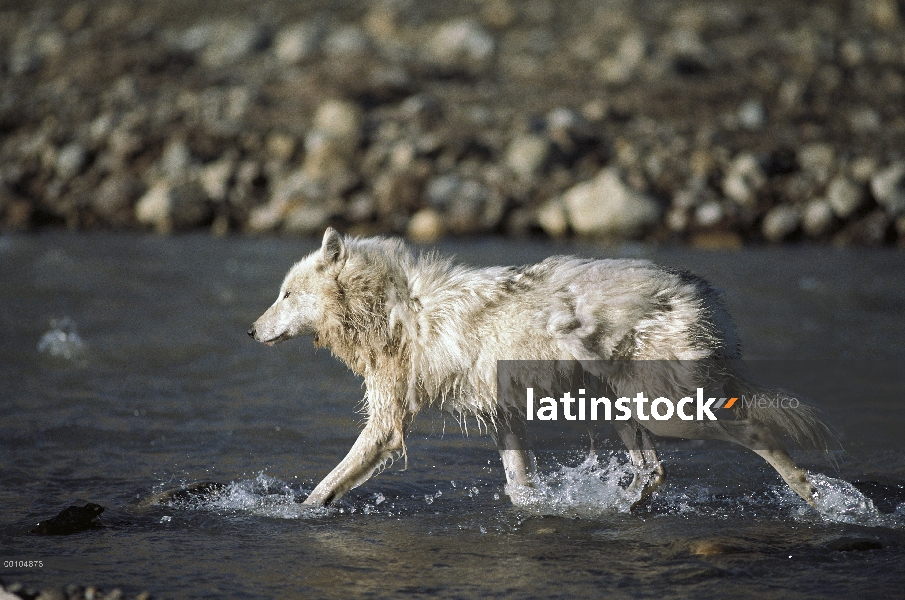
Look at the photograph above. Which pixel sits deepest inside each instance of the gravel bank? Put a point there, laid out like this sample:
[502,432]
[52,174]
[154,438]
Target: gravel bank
[709,123]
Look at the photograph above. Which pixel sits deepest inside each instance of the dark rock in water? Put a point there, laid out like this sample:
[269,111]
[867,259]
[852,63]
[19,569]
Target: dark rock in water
[71,520]
[854,544]
[189,494]
[886,497]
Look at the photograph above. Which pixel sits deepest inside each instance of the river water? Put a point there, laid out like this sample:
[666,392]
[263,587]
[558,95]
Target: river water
[125,371]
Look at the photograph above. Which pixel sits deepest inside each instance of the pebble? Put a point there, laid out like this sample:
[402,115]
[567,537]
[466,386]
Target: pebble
[844,196]
[167,207]
[620,68]
[307,219]
[818,159]
[606,206]
[751,115]
[709,213]
[888,188]
[339,120]
[780,222]
[527,155]
[70,161]
[215,178]
[348,41]
[817,218]
[743,180]
[297,43]
[115,199]
[230,41]
[380,105]
[462,43]
[553,218]
[175,160]
[425,226]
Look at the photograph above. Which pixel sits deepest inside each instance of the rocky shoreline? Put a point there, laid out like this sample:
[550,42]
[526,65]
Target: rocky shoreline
[16,591]
[712,124]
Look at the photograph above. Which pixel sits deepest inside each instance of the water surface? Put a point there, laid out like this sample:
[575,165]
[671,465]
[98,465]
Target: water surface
[126,370]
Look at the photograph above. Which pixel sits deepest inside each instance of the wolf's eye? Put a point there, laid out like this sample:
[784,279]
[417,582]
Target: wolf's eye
[286,295]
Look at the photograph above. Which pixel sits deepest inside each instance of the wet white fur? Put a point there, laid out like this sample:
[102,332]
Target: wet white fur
[422,331]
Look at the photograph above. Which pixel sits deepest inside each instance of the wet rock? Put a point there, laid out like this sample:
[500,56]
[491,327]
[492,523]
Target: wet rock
[888,188]
[854,544]
[71,520]
[712,548]
[844,197]
[462,44]
[167,207]
[606,206]
[780,222]
[187,495]
[70,161]
[425,226]
[817,218]
[115,199]
[527,155]
[297,43]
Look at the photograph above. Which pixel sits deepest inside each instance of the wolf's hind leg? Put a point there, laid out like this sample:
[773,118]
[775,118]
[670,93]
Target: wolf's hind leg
[512,442]
[649,471]
[759,438]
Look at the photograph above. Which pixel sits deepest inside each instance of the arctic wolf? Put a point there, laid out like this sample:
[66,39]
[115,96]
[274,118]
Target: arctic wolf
[410,326]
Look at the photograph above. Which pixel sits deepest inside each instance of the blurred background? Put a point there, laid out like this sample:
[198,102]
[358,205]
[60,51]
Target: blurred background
[713,124]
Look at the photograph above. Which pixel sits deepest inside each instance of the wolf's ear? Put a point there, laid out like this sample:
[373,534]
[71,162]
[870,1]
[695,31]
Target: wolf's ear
[333,249]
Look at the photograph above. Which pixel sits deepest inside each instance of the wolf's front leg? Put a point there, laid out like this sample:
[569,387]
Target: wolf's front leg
[512,442]
[373,447]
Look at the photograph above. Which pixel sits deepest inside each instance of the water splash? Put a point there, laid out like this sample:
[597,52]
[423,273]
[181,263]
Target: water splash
[62,341]
[591,489]
[841,502]
[262,496]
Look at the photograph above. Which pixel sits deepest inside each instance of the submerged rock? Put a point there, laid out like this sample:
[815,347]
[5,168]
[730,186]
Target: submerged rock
[71,520]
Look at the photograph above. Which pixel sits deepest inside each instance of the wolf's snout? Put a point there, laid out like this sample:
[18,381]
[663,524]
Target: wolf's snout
[251,331]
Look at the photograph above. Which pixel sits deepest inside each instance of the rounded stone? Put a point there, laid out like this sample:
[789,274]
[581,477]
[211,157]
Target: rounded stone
[817,218]
[425,226]
[780,223]
[844,197]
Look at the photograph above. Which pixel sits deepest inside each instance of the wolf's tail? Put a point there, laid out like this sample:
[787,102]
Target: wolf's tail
[780,411]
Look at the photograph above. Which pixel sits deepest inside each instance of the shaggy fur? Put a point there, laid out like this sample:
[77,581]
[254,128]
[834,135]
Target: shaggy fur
[408,325]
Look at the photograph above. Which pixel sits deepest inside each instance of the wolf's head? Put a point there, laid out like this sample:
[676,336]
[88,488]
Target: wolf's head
[308,288]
